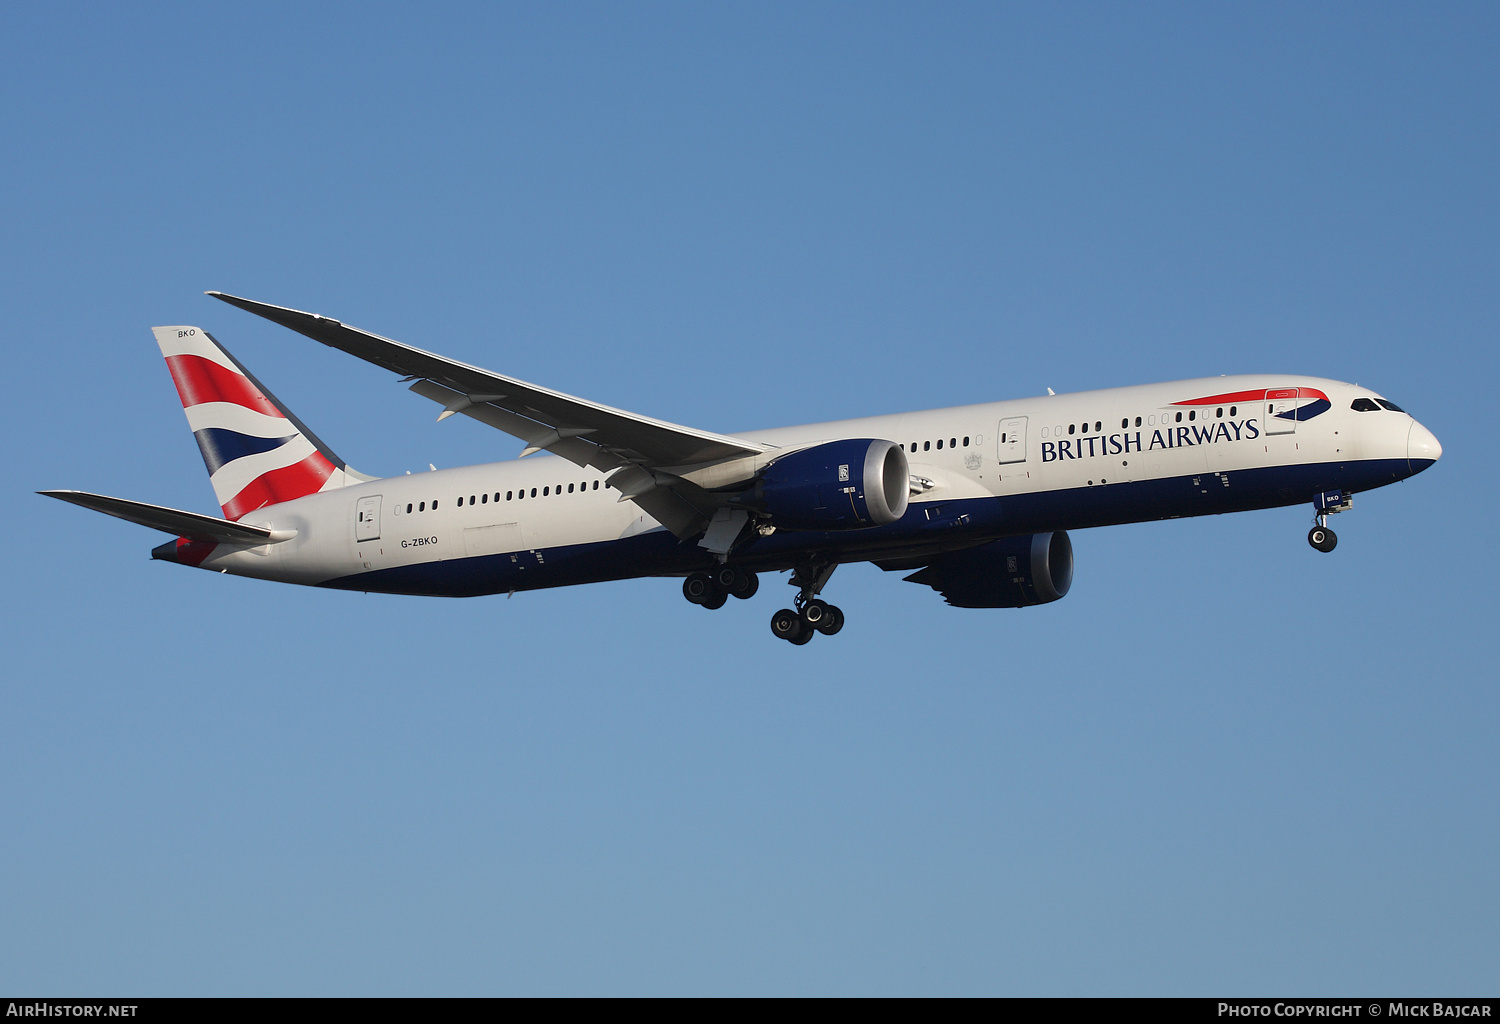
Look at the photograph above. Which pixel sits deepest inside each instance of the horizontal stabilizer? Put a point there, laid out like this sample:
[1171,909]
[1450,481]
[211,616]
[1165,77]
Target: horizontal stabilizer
[169,520]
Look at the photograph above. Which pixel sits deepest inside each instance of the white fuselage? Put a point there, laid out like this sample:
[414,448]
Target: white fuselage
[1000,468]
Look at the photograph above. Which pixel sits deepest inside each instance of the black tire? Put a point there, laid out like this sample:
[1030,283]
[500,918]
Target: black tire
[1322,538]
[716,601]
[698,587]
[787,624]
[749,583]
[814,612]
[833,620]
[804,637]
[726,578]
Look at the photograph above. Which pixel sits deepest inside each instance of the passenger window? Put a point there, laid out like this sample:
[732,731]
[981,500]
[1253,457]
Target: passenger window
[1072,427]
[471,499]
[1364,405]
[1179,417]
[1234,410]
[1125,423]
[596,485]
[422,506]
[940,444]
[408,508]
[484,499]
[1193,414]
[533,492]
[1391,406]
[544,492]
[1137,421]
[521,494]
[570,488]
[1002,435]
[507,495]
[1098,426]
[434,506]
[1085,429]
[952,442]
[927,446]
[1219,414]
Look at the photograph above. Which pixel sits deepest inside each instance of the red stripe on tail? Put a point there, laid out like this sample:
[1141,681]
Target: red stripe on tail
[294,481]
[202,380]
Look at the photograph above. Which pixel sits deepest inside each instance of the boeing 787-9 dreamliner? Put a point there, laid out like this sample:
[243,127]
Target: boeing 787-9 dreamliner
[973,501]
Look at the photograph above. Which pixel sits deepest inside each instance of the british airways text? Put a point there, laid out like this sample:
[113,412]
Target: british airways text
[1164,437]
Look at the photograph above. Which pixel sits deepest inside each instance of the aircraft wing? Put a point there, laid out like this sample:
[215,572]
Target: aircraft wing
[639,451]
[169,520]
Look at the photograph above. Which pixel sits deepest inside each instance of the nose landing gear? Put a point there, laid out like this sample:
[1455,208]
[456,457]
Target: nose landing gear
[1322,538]
[811,615]
[1327,503]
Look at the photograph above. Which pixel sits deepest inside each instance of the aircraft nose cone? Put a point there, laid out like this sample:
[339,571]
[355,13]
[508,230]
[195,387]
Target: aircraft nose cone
[1422,449]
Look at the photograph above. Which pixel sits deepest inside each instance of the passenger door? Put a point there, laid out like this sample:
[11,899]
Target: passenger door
[367,518]
[1278,402]
[1012,440]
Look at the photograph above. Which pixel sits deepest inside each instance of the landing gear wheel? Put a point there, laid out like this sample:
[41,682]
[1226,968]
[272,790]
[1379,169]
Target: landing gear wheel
[802,638]
[698,587]
[739,582]
[787,624]
[748,584]
[1322,538]
[815,613]
[832,621]
[716,601]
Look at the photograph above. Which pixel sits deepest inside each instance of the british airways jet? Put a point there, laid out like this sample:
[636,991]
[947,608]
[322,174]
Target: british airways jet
[973,501]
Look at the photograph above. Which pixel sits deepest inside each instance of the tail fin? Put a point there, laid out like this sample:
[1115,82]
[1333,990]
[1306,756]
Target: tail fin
[256,451]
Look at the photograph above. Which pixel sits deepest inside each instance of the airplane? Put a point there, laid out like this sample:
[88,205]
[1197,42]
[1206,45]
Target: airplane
[973,501]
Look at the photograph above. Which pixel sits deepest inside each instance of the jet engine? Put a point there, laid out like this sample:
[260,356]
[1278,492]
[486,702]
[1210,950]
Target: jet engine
[839,485]
[1011,573]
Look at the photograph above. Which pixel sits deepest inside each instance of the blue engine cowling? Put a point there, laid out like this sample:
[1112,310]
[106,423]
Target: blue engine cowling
[1011,573]
[840,485]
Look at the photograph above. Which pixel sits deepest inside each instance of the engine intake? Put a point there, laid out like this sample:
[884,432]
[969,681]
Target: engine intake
[1011,573]
[840,485]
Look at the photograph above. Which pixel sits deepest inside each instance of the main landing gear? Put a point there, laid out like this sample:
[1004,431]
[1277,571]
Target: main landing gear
[712,589]
[1327,503]
[811,615]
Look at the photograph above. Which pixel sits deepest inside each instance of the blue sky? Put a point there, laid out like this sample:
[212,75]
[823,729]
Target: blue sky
[1225,764]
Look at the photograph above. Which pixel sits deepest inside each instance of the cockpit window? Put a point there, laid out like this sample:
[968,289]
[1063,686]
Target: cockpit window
[1392,406]
[1364,405]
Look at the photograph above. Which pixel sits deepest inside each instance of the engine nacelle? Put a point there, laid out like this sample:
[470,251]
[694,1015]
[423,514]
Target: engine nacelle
[1011,573]
[840,485]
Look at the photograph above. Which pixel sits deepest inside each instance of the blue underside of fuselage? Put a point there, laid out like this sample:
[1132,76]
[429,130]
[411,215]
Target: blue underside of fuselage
[928,526]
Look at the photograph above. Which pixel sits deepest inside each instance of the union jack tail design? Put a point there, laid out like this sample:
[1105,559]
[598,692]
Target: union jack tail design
[256,451]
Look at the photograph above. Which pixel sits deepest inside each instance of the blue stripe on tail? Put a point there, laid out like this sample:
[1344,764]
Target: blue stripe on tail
[221,447]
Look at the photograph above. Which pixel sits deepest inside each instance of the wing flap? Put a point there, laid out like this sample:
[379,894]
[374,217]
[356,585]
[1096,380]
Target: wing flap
[169,520]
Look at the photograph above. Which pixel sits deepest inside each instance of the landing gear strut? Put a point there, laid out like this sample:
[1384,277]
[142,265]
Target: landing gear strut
[1327,503]
[811,615]
[712,589]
